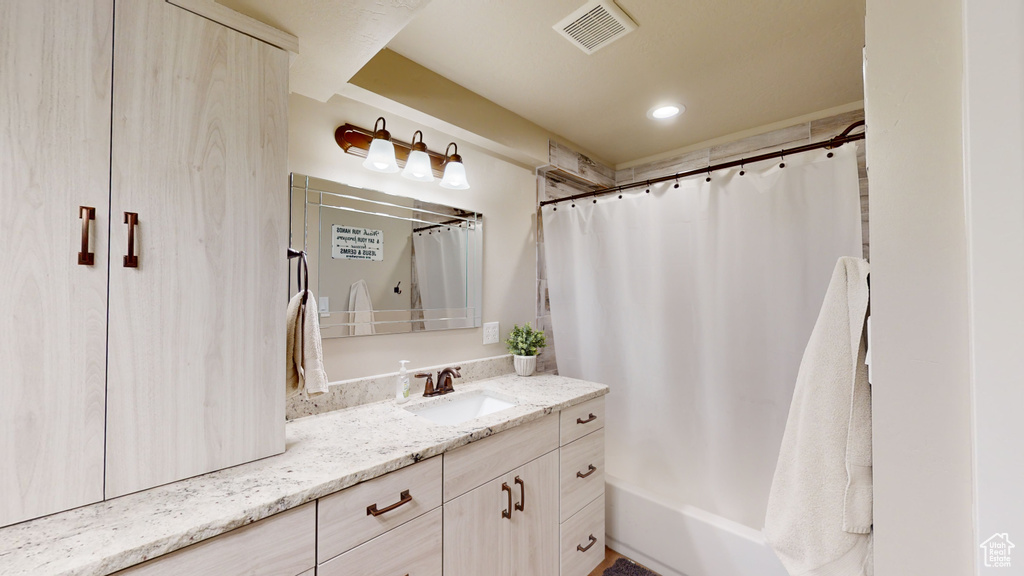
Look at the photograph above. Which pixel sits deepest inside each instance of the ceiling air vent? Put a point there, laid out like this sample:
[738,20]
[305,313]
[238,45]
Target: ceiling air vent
[595,25]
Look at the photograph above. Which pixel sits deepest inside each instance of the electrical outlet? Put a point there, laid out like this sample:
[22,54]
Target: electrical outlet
[491,332]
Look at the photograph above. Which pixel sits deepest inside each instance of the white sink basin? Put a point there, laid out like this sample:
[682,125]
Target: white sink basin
[462,408]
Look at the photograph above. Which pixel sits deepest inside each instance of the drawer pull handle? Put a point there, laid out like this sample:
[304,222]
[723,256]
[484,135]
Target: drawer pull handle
[86,258]
[371,510]
[590,470]
[588,420]
[582,548]
[507,513]
[522,494]
[132,220]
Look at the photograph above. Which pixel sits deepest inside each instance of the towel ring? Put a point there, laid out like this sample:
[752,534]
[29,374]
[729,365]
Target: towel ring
[301,272]
[302,282]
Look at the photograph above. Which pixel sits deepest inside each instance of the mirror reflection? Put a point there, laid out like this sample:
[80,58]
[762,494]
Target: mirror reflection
[385,264]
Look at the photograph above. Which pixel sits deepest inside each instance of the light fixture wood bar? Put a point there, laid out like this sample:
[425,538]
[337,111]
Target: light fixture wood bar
[356,141]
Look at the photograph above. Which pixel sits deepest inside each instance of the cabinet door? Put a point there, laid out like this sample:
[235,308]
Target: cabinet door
[535,540]
[281,545]
[55,61]
[477,536]
[196,354]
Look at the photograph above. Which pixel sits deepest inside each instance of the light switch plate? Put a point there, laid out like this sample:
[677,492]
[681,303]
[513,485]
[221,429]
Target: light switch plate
[325,306]
[491,332]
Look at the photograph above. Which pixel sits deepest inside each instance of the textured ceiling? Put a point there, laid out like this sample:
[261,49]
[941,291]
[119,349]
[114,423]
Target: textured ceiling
[734,64]
[336,37]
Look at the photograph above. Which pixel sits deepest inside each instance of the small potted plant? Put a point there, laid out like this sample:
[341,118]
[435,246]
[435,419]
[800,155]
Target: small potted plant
[525,343]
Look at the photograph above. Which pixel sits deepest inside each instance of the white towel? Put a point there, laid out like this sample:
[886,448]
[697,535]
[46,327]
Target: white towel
[360,309]
[305,360]
[819,510]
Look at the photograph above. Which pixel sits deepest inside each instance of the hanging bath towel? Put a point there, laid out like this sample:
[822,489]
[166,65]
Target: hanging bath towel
[360,309]
[305,362]
[819,510]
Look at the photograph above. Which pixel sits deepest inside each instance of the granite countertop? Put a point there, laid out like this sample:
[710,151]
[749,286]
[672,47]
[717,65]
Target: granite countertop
[324,454]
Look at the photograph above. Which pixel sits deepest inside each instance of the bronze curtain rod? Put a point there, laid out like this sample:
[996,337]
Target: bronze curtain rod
[833,142]
[445,224]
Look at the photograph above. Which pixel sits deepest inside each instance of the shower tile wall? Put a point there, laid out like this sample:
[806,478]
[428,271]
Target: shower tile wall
[574,173]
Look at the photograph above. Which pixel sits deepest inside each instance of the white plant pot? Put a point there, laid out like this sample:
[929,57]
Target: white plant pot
[525,365]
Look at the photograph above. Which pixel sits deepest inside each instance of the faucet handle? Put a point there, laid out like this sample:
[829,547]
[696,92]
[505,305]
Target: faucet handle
[428,389]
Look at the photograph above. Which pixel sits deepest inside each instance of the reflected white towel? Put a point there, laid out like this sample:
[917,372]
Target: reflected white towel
[305,360]
[360,309]
[820,507]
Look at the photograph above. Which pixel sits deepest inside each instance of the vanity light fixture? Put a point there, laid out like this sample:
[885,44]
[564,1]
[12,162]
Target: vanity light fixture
[386,155]
[381,156]
[454,171]
[665,111]
[418,167]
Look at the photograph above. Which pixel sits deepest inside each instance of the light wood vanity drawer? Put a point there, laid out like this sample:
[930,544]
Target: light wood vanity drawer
[413,549]
[344,520]
[581,473]
[583,540]
[581,419]
[281,545]
[484,460]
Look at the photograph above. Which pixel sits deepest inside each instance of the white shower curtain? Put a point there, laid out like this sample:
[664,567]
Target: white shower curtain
[441,266]
[694,305]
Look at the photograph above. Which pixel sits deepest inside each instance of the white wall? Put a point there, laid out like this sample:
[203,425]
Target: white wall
[504,192]
[919,302]
[994,131]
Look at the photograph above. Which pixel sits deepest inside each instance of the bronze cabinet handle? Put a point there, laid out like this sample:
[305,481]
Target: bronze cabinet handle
[590,470]
[522,494]
[582,548]
[507,513]
[371,510]
[86,214]
[588,420]
[132,220]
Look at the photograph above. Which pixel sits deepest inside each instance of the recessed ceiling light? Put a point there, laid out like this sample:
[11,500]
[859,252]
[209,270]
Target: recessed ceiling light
[665,111]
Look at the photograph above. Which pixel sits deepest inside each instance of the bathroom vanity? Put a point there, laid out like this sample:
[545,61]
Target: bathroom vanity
[374,490]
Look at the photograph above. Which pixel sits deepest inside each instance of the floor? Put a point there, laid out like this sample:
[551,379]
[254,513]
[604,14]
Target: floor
[610,556]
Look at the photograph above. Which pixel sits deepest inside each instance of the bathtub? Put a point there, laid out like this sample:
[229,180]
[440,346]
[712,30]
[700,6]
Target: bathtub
[683,540]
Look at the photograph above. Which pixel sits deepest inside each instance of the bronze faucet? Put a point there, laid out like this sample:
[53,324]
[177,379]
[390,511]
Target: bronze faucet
[444,381]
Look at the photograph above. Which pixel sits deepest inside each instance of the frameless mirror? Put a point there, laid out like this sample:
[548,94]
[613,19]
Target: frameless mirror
[385,264]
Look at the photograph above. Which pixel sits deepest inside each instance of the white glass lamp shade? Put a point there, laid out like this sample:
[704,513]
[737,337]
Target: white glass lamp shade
[418,167]
[454,176]
[381,157]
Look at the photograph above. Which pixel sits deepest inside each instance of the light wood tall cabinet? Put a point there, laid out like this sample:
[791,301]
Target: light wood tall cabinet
[196,357]
[55,66]
[156,338]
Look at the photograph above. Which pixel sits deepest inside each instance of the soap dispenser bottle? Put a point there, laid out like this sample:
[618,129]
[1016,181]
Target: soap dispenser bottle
[402,385]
